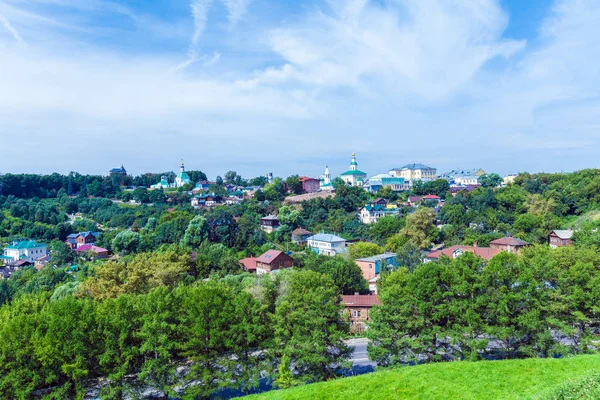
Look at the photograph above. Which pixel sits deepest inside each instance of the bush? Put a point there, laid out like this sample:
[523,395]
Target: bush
[587,388]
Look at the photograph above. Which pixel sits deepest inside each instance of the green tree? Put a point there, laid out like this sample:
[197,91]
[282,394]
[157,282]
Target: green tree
[308,327]
[126,242]
[490,180]
[364,249]
[196,232]
[294,185]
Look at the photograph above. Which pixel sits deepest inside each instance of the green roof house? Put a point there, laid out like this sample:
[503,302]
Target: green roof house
[354,177]
[26,250]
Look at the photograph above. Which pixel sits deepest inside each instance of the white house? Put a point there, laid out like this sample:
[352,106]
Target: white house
[327,244]
[28,250]
[370,213]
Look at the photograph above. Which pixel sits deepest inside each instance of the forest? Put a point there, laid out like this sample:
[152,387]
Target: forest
[175,312]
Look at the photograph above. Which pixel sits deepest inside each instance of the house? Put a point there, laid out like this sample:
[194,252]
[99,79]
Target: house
[560,238]
[300,235]
[206,199]
[273,260]
[310,185]
[508,179]
[233,199]
[202,186]
[325,183]
[413,200]
[358,307]
[455,251]
[431,197]
[454,190]
[509,244]
[371,267]
[248,264]
[27,250]
[413,172]
[380,202]
[118,171]
[370,213]
[463,177]
[75,240]
[380,181]
[269,224]
[354,177]
[94,251]
[327,244]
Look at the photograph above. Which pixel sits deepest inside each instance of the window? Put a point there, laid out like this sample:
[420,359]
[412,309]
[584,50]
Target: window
[356,313]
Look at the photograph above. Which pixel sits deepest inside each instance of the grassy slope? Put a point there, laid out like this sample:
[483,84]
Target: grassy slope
[514,379]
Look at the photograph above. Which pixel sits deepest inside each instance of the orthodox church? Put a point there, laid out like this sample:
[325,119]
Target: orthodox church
[354,177]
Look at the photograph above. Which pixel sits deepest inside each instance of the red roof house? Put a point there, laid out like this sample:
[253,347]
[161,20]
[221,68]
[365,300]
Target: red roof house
[509,243]
[310,185]
[358,307]
[273,260]
[97,252]
[484,252]
[248,264]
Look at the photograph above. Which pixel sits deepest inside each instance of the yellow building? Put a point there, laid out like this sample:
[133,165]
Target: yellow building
[414,172]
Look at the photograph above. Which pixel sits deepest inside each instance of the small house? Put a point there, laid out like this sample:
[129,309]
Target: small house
[358,307]
[300,236]
[269,224]
[273,260]
[560,238]
[509,244]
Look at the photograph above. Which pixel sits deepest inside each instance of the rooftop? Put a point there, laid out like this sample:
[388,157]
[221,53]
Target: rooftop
[361,300]
[378,257]
[301,232]
[509,241]
[564,233]
[326,237]
[26,244]
[269,256]
[413,167]
[484,252]
[249,263]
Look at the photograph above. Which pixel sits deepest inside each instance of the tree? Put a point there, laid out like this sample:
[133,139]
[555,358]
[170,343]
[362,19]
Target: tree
[346,275]
[387,226]
[364,249]
[419,227]
[490,180]
[141,195]
[294,185]
[126,242]
[61,254]
[230,176]
[308,327]
[196,232]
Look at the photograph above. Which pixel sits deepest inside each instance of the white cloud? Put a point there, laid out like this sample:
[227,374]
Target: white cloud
[397,81]
[236,9]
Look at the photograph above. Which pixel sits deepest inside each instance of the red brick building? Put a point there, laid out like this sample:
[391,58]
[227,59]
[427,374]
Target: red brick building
[509,244]
[358,307]
[310,185]
[273,260]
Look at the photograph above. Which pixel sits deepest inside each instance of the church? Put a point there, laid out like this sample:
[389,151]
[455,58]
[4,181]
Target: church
[181,179]
[354,177]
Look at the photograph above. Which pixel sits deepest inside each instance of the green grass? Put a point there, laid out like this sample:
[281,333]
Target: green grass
[494,380]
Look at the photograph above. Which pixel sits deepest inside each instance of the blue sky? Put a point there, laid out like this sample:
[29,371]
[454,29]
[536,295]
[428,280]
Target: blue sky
[292,86]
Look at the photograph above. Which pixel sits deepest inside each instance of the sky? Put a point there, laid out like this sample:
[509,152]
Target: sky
[290,86]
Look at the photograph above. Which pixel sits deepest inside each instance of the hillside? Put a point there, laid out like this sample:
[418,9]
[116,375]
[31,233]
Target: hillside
[513,379]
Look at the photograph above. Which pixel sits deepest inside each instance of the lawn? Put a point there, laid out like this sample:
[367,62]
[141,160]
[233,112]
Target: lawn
[494,380]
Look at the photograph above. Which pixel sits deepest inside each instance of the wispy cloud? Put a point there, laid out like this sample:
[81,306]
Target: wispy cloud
[6,24]
[236,9]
